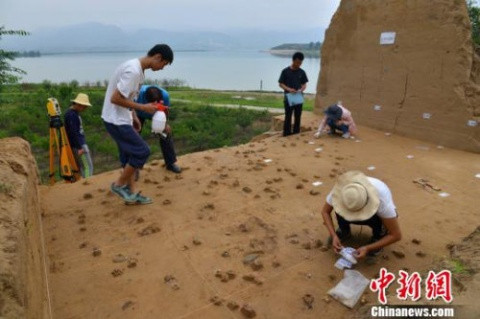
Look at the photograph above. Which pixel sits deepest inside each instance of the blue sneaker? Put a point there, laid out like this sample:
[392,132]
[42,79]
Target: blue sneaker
[142,200]
[123,192]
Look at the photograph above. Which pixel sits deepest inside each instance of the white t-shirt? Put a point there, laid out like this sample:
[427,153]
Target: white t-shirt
[127,79]
[386,209]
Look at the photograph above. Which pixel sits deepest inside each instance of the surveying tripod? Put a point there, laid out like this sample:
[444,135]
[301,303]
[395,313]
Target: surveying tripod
[58,140]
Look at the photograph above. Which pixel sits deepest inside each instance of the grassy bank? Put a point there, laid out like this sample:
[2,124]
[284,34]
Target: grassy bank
[197,125]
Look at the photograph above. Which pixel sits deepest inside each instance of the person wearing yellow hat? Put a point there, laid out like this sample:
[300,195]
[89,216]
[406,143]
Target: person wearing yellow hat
[361,200]
[76,134]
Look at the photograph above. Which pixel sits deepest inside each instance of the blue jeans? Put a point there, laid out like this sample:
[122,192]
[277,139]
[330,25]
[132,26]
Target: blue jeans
[333,126]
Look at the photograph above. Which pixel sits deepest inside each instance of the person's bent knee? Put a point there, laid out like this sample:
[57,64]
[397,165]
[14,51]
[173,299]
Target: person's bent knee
[139,158]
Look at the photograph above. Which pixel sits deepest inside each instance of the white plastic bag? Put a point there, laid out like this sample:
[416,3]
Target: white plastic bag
[159,122]
[350,288]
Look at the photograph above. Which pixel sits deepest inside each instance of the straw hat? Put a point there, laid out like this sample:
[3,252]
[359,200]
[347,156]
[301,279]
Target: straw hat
[82,99]
[354,197]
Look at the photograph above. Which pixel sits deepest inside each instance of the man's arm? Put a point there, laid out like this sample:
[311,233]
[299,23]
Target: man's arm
[286,88]
[304,86]
[328,222]
[118,99]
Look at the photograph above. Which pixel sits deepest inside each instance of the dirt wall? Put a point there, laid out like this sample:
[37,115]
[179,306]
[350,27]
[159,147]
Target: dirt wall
[23,292]
[426,84]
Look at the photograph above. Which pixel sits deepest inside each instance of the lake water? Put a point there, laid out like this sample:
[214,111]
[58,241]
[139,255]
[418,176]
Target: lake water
[221,70]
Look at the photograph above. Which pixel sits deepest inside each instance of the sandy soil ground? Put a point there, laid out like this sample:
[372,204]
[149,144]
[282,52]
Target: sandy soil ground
[187,255]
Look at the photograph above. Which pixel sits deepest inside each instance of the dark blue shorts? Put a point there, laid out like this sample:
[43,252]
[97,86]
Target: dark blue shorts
[133,150]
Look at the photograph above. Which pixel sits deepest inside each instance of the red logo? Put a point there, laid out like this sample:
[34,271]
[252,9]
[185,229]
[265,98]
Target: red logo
[381,284]
[409,286]
[437,285]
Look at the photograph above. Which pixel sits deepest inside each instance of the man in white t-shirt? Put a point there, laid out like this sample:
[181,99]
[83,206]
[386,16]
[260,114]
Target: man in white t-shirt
[361,200]
[123,125]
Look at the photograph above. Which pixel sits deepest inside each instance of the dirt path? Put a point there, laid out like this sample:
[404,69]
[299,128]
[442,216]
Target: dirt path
[234,205]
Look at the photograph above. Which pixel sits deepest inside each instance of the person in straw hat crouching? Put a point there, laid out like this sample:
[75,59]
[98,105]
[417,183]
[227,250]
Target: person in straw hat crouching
[361,200]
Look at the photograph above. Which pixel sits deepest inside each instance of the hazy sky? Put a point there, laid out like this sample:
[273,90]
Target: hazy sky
[170,15]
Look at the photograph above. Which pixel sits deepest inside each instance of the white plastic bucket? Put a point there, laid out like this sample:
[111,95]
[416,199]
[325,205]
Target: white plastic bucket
[159,121]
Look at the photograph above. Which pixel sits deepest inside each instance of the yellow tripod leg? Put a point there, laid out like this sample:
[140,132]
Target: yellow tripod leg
[57,144]
[52,156]
[65,169]
[68,157]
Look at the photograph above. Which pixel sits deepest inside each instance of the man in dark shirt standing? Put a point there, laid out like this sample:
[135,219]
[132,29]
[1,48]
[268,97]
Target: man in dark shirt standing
[76,135]
[293,80]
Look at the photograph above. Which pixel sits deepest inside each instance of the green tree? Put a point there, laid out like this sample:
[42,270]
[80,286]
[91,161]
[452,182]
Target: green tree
[474,14]
[8,73]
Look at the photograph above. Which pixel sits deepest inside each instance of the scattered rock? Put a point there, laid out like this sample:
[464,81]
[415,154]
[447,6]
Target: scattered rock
[127,305]
[291,236]
[300,186]
[132,262]
[140,220]
[167,202]
[276,263]
[119,258]
[314,192]
[117,272]
[248,311]
[210,206]
[248,259]
[225,254]
[416,241]
[308,300]
[398,254]
[83,245]
[216,300]
[247,189]
[96,252]
[196,241]
[151,229]
[243,228]
[327,299]
[232,305]
[231,274]
[253,278]
[420,254]
[363,301]
[307,245]
[256,265]
[294,241]
[332,278]
[82,229]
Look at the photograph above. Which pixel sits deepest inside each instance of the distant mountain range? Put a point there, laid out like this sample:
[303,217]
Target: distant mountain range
[97,37]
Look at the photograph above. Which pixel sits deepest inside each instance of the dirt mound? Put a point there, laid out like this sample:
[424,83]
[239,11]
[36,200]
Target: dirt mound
[425,85]
[466,255]
[23,292]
